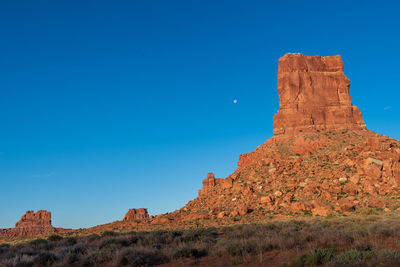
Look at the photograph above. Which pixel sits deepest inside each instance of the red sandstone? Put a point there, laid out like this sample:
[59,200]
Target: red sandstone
[31,224]
[136,214]
[314,95]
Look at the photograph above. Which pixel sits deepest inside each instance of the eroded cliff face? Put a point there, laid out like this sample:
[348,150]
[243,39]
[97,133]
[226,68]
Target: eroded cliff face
[31,224]
[314,95]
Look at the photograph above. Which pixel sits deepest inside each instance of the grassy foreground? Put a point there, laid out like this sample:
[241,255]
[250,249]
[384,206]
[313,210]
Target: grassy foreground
[337,241]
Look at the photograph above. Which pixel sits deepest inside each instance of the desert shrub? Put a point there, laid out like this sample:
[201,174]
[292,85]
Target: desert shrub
[71,258]
[387,231]
[363,246]
[389,257]
[313,258]
[267,244]
[92,237]
[109,233]
[45,259]
[332,237]
[38,242]
[190,252]
[28,250]
[114,242]
[54,238]
[191,235]
[99,257]
[238,248]
[141,257]
[353,256]
[319,256]
[159,238]
[133,239]
[70,241]
[235,249]
[79,249]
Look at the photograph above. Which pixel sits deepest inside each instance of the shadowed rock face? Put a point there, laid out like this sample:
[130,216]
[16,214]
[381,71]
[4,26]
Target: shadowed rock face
[136,214]
[314,95]
[31,224]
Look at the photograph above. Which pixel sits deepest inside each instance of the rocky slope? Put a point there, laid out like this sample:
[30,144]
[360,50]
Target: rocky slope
[317,173]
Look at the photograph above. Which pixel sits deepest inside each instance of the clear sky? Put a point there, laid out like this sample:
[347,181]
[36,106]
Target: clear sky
[111,105]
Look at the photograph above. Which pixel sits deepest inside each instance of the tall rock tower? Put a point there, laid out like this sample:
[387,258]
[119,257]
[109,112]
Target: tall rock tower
[314,95]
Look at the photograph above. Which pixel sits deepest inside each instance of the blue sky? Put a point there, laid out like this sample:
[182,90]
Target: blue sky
[111,105]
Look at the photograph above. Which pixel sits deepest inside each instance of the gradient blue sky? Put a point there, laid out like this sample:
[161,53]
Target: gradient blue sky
[110,105]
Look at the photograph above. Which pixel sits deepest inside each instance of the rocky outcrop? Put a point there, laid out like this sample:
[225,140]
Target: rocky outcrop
[136,215]
[314,95]
[32,219]
[31,224]
[209,183]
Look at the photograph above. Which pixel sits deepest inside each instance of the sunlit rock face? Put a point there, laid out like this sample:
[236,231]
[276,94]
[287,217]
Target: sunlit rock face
[314,95]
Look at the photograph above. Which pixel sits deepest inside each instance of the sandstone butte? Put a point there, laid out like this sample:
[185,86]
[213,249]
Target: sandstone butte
[321,160]
[31,224]
[136,214]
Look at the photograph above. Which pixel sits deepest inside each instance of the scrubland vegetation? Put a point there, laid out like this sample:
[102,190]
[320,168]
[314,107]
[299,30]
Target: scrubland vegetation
[337,241]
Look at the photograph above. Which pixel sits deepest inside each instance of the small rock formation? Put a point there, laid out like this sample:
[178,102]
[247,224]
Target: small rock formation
[32,219]
[209,183]
[136,214]
[31,224]
[314,95]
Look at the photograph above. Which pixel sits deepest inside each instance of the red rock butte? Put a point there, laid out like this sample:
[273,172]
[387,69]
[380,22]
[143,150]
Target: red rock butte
[314,95]
[136,214]
[31,224]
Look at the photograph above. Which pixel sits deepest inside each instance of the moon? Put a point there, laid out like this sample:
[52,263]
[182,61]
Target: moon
[235,101]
